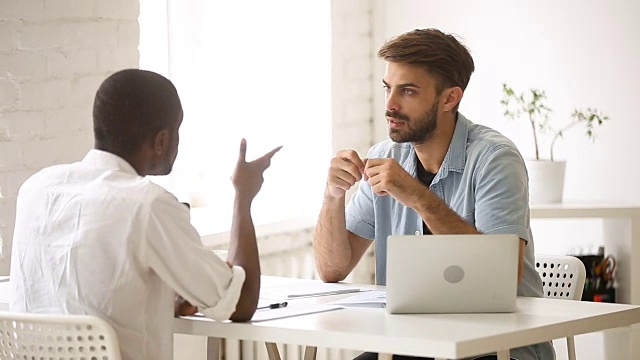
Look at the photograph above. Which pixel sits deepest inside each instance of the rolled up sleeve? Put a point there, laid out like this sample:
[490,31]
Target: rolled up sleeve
[360,215]
[502,195]
[226,306]
[176,254]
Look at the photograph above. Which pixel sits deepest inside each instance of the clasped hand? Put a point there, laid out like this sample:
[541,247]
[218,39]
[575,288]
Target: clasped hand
[385,176]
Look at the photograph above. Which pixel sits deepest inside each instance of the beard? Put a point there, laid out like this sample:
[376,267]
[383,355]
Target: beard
[417,130]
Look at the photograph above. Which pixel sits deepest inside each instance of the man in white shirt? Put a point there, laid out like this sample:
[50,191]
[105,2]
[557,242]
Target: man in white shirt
[97,237]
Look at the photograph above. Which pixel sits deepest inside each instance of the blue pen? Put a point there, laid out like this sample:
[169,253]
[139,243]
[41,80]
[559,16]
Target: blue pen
[273,306]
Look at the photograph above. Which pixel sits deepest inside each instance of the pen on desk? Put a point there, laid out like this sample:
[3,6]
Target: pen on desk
[273,306]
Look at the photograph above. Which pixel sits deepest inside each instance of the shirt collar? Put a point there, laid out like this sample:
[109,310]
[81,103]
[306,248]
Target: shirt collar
[456,157]
[103,159]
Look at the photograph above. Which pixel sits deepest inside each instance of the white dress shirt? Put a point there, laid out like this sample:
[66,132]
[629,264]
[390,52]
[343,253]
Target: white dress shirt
[94,237]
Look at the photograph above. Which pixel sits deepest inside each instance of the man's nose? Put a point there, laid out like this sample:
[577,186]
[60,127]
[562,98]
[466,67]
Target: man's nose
[392,103]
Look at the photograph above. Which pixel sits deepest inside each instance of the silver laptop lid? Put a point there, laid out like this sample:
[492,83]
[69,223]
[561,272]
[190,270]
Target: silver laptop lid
[452,273]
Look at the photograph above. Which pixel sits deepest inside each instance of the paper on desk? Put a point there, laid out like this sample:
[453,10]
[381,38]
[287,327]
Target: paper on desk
[307,289]
[374,298]
[280,313]
[292,310]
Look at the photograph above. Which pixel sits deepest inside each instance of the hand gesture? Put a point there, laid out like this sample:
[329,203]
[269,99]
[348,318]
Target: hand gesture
[248,177]
[387,177]
[346,169]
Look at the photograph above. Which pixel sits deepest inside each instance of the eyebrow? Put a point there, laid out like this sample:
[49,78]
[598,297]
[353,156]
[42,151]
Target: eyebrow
[405,85]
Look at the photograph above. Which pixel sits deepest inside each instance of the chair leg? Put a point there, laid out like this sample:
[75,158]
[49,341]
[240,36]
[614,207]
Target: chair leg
[272,351]
[382,356]
[231,349]
[310,352]
[571,347]
[503,355]
[213,348]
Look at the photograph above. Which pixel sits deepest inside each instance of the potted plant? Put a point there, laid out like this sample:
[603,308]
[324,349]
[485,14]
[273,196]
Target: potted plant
[546,176]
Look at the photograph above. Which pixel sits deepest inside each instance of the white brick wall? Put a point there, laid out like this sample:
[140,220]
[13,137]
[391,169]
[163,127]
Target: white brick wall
[352,75]
[53,56]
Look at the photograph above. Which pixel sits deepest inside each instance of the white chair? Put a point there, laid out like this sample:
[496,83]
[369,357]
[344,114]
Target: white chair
[60,337]
[562,278]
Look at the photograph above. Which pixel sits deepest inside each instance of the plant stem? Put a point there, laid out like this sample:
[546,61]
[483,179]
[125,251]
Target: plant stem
[559,134]
[535,135]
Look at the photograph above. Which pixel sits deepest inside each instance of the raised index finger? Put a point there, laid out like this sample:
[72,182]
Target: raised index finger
[243,151]
[270,154]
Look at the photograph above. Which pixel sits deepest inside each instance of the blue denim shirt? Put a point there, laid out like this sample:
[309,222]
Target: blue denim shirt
[483,178]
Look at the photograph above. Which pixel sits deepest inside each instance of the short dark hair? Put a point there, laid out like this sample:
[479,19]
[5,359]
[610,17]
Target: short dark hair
[131,107]
[442,55]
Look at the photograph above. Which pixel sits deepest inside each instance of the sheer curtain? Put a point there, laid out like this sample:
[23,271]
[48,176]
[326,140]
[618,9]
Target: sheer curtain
[254,69]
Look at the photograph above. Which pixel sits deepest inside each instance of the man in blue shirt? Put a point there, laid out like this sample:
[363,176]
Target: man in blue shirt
[438,174]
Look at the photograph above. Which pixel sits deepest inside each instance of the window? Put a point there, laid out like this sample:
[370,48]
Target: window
[252,69]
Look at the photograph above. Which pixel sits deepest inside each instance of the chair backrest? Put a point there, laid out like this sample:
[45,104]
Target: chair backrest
[60,337]
[562,276]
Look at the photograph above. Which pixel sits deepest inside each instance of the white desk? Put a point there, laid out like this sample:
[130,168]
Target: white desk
[445,335]
[451,336]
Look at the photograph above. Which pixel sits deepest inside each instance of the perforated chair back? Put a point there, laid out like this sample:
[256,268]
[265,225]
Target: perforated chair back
[59,337]
[562,276]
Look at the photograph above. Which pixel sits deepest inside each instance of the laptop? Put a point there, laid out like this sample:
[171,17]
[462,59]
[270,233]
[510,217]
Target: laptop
[452,273]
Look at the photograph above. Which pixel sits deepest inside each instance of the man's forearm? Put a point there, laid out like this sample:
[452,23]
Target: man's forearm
[439,217]
[330,242]
[442,220]
[243,251]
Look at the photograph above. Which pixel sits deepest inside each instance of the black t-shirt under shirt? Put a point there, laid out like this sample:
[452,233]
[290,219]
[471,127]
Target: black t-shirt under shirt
[425,178]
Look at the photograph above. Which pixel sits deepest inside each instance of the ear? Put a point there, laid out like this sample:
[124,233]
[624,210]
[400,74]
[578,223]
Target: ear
[161,142]
[450,98]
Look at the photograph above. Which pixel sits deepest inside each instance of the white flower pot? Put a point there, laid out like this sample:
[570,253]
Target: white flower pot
[546,181]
